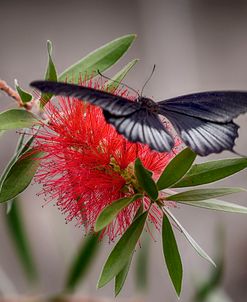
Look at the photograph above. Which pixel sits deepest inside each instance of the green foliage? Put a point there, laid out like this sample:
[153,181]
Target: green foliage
[114,82]
[211,171]
[100,59]
[82,262]
[145,180]
[193,243]
[16,118]
[172,256]
[20,175]
[216,204]
[24,95]
[19,236]
[121,276]
[142,261]
[122,251]
[202,194]
[176,169]
[50,75]
[111,211]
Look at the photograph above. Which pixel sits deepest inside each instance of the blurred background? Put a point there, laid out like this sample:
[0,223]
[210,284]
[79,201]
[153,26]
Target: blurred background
[197,45]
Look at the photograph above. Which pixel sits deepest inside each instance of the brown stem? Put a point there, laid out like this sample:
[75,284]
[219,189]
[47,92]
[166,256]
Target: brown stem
[10,92]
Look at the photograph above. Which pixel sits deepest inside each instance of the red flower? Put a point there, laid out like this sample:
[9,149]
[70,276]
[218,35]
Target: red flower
[87,164]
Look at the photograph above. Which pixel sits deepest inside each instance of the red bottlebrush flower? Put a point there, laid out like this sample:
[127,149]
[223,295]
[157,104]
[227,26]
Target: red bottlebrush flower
[87,164]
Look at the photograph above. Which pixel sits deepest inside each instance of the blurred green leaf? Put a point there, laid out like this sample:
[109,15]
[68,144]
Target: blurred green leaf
[172,256]
[216,204]
[16,118]
[50,75]
[24,95]
[213,282]
[19,236]
[176,168]
[193,243]
[82,262]
[211,171]
[20,175]
[100,59]
[112,210]
[142,265]
[121,276]
[122,251]
[202,194]
[145,180]
[114,82]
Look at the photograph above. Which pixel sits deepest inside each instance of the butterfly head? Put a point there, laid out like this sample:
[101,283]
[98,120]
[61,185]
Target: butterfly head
[149,104]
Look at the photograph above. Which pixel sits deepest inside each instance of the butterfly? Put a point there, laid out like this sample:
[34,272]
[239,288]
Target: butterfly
[203,121]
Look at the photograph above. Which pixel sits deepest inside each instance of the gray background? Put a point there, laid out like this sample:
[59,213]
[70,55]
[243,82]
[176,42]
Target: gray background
[196,45]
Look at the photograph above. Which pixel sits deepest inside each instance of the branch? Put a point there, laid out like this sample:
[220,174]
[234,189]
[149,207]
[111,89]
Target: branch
[11,92]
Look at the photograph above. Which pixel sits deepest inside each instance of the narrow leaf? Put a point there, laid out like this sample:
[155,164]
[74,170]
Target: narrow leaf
[100,59]
[82,262]
[121,277]
[211,171]
[122,251]
[113,83]
[141,270]
[112,210]
[20,149]
[50,75]
[145,180]
[216,204]
[24,95]
[172,256]
[16,118]
[19,236]
[176,169]
[194,244]
[20,175]
[202,194]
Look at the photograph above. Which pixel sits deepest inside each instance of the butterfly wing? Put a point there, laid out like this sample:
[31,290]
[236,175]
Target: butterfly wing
[214,106]
[142,126]
[204,120]
[114,104]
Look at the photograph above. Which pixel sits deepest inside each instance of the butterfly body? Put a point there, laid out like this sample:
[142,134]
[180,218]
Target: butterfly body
[203,121]
[149,104]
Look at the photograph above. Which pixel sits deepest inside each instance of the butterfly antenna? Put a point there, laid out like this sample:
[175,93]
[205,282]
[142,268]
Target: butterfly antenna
[118,82]
[148,79]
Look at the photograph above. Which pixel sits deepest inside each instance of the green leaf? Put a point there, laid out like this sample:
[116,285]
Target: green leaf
[211,171]
[20,149]
[142,262]
[145,180]
[172,256]
[24,95]
[193,243]
[176,169]
[16,118]
[19,236]
[20,175]
[216,204]
[122,251]
[50,75]
[112,210]
[100,59]
[82,262]
[121,277]
[113,83]
[201,194]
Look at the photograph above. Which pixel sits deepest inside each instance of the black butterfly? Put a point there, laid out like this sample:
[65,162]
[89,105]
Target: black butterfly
[204,120]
